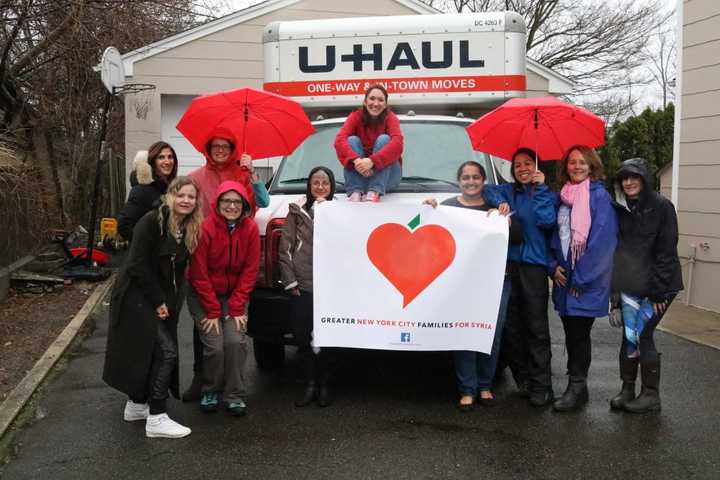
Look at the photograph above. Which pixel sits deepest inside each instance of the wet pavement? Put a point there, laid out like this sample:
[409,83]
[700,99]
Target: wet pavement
[394,417]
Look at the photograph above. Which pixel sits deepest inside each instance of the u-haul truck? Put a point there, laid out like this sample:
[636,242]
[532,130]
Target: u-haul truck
[439,70]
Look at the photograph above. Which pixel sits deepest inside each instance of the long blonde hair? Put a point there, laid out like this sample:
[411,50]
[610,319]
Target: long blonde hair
[192,223]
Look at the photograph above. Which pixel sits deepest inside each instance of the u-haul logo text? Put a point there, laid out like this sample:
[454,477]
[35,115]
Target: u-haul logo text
[402,56]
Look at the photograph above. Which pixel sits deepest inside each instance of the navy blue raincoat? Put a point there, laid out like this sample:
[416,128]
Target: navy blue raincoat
[592,274]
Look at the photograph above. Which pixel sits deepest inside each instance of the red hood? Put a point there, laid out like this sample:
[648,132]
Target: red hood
[233,157]
[225,187]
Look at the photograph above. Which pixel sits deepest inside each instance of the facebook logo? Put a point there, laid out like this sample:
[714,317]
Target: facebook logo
[405,337]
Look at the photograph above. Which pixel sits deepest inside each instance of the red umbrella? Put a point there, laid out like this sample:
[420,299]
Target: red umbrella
[546,125]
[264,124]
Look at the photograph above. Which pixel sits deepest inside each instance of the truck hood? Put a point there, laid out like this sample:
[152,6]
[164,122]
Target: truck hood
[278,207]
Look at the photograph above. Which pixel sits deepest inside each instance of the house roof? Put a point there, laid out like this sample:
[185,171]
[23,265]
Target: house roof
[556,83]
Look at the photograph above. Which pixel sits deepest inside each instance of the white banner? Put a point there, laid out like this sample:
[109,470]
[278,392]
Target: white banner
[403,277]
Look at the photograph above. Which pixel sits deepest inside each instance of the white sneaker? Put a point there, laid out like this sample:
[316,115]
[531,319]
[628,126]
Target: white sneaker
[136,411]
[162,426]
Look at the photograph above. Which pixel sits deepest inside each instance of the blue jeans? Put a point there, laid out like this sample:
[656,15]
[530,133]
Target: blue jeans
[381,181]
[475,370]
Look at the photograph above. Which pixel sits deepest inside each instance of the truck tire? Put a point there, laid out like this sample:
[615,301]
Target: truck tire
[269,356]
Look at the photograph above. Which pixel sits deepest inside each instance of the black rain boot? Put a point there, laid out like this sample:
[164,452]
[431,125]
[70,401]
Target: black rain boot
[325,394]
[628,374]
[309,396]
[193,393]
[325,398]
[649,398]
[575,396]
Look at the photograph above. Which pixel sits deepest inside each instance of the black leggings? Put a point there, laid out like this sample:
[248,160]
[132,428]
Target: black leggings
[316,367]
[578,344]
[162,368]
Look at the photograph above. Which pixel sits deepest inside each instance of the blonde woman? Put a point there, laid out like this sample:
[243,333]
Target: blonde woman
[141,357]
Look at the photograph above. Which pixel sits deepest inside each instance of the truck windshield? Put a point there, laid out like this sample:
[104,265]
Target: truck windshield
[432,153]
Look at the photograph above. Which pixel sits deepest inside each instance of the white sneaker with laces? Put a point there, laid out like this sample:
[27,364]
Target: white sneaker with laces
[162,426]
[136,411]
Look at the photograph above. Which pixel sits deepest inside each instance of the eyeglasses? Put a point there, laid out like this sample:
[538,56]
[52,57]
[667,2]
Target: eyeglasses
[222,148]
[226,202]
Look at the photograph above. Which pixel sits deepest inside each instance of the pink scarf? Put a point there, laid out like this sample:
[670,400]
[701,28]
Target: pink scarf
[577,197]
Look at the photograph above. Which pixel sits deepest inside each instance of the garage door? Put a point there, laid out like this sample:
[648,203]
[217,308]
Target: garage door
[172,108]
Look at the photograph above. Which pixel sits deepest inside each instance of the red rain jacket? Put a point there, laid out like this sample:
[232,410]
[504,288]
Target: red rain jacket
[213,174]
[368,134]
[226,263]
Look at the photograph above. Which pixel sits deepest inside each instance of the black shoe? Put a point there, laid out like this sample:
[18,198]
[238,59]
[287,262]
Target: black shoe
[649,398]
[524,389]
[309,395]
[541,398]
[627,393]
[575,396]
[324,397]
[628,374]
[193,393]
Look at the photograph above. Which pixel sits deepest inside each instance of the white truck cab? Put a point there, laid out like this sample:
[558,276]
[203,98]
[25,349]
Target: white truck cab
[439,70]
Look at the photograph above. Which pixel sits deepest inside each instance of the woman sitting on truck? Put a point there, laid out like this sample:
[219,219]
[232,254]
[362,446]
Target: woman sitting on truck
[475,370]
[296,272]
[369,146]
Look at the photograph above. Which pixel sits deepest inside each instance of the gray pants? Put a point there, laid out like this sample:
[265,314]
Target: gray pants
[224,354]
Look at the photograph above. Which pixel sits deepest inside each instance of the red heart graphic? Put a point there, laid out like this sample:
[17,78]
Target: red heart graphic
[410,260]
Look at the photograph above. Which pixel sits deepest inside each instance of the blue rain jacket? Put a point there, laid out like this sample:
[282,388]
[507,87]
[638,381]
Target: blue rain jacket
[593,271]
[535,209]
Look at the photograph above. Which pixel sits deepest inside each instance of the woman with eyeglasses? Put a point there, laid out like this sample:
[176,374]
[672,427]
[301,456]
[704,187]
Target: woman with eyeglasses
[223,162]
[222,275]
[296,272]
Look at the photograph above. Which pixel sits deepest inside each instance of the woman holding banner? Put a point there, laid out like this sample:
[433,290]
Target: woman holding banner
[369,146]
[475,370]
[296,273]
[582,246]
[526,339]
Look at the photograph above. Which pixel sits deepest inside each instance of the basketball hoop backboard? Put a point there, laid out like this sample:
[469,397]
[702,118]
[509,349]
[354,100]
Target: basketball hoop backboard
[112,71]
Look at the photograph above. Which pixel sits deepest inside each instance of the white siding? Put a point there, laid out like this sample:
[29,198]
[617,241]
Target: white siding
[699,182]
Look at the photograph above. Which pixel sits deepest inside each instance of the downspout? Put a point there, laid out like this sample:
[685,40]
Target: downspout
[691,268]
[678,107]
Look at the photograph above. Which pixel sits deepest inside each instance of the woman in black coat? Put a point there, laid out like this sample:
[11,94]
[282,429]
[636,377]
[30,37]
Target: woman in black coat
[153,170]
[141,357]
[646,278]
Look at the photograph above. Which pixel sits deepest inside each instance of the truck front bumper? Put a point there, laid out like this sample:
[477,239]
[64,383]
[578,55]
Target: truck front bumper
[269,316]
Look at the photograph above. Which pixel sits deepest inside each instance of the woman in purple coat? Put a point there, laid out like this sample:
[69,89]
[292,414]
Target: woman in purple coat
[581,263]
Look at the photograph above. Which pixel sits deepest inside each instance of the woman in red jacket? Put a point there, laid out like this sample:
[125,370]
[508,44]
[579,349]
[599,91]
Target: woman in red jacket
[369,146]
[223,270]
[223,162]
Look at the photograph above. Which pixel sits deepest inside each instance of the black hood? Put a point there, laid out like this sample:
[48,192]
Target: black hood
[633,166]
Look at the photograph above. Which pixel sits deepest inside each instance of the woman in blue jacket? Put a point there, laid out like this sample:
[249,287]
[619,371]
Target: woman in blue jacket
[526,340]
[582,249]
